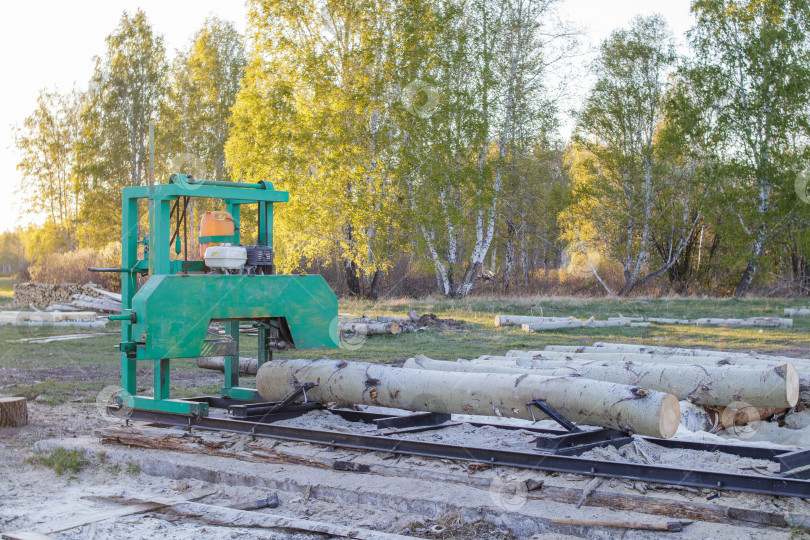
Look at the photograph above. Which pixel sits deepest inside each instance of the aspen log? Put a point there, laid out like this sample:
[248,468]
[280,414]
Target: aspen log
[797,311]
[596,403]
[247,366]
[506,320]
[551,325]
[705,386]
[561,359]
[766,322]
[13,412]
[370,328]
[600,347]
[399,320]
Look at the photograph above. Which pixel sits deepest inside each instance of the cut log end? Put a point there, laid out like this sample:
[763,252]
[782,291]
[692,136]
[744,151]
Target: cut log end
[792,386]
[13,412]
[497,320]
[669,417]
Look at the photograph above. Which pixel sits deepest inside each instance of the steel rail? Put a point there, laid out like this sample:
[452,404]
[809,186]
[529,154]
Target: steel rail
[768,485]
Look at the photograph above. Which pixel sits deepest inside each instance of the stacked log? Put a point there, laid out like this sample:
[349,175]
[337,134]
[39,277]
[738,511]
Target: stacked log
[62,295]
[395,325]
[762,322]
[571,322]
[714,386]
[596,403]
[534,324]
[617,353]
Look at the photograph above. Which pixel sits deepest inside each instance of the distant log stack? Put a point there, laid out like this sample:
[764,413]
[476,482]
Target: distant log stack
[13,412]
[67,296]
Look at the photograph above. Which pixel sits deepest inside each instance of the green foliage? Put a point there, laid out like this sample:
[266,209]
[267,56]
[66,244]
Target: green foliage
[753,66]
[634,183]
[61,460]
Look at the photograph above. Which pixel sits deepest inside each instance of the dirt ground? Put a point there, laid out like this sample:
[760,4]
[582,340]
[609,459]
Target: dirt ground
[33,495]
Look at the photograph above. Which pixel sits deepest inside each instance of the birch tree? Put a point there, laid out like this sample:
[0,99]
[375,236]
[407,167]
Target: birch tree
[626,190]
[47,144]
[753,60]
[313,117]
[492,94]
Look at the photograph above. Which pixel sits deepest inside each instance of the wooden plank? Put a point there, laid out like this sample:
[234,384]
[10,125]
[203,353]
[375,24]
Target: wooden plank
[229,517]
[61,525]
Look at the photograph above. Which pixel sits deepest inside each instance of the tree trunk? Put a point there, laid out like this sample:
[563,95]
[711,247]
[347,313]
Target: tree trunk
[13,412]
[706,386]
[595,403]
[352,279]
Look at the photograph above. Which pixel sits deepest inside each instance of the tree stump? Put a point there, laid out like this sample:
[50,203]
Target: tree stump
[13,411]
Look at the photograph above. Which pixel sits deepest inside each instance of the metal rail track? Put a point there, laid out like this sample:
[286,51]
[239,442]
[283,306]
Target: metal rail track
[788,483]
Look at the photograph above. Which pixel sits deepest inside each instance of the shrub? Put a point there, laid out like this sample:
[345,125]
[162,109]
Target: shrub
[71,267]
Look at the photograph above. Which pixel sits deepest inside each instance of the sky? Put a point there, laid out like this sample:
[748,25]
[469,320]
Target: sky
[51,44]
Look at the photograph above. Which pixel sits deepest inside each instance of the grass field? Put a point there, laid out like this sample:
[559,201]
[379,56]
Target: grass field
[65,371]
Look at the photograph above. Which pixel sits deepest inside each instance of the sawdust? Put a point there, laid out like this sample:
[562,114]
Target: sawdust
[642,451]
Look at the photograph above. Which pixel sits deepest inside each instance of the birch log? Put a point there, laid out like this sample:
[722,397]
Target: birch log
[555,359]
[765,322]
[706,386]
[370,328]
[506,320]
[600,347]
[596,403]
[247,366]
[797,311]
[551,325]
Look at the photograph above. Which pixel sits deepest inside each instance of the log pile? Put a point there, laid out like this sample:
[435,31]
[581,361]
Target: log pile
[597,403]
[534,324]
[414,322]
[644,360]
[67,297]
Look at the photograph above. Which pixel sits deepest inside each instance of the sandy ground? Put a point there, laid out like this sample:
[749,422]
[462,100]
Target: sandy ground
[31,495]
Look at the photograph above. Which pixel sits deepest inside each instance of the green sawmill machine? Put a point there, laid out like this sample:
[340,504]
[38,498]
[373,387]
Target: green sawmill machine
[170,314]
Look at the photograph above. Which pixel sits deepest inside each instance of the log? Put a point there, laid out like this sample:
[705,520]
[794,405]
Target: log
[551,325]
[370,328]
[600,347]
[798,311]
[705,386]
[596,403]
[506,320]
[402,321]
[673,526]
[576,323]
[766,322]
[13,412]
[801,365]
[247,366]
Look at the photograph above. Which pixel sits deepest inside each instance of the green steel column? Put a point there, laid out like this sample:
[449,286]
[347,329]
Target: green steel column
[162,378]
[231,363]
[269,225]
[129,284]
[233,210]
[264,353]
[159,236]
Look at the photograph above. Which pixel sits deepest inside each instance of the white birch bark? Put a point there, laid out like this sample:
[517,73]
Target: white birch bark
[580,400]
[716,386]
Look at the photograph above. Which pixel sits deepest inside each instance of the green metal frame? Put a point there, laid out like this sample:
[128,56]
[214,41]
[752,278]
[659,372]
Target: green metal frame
[169,315]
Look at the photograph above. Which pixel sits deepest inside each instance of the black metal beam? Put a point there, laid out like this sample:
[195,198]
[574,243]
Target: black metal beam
[769,485]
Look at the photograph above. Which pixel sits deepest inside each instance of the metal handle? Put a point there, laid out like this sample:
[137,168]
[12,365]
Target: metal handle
[124,317]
